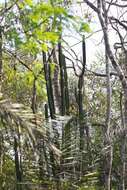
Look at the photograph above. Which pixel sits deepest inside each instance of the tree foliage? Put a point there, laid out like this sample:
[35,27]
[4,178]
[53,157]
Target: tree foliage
[63,120]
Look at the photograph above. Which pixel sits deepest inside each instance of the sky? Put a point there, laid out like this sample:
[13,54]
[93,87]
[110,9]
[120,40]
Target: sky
[94,43]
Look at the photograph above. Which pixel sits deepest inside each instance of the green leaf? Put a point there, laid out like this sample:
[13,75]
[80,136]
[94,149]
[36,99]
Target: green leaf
[31,46]
[29,2]
[60,10]
[47,8]
[21,5]
[37,67]
[85,28]
[44,47]
[52,66]
[51,36]
[35,17]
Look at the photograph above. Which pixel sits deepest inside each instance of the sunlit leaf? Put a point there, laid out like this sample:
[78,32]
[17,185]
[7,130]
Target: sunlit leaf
[85,28]
[29,2]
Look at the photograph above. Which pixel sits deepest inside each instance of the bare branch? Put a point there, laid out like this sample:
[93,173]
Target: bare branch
[91,5]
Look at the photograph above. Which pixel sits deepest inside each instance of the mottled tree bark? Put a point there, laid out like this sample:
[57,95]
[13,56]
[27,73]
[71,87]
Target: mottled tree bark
[56,84]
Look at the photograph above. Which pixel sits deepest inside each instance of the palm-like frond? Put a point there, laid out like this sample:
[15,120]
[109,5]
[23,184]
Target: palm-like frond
[15,114]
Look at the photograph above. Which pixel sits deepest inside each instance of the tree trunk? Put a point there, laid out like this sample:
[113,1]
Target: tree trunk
[67,102]
[82,119]
[108,54]
[56,86]
[17,164]
[49,86]
[107,165]
[123,160]
[62,83]
[1,152]
[122,147]
[34,97]
[107,138]
[1,62]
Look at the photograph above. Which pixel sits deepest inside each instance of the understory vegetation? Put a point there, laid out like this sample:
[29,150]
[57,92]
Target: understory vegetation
[63,95]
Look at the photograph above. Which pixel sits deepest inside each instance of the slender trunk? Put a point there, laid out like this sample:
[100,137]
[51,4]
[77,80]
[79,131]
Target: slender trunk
[49,87]
[123,159]
[82,120]
[107,138]
[56,82]
[62,84]
[81,117]
[46,112]
[1,62]
[67,102]
[17,164]
[122,147]
[107,167]
[34,97]
[1,152]
[80,96]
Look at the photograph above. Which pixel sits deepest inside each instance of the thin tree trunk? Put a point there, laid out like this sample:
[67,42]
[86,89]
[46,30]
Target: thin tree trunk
[1,152]
[56,86]
[107,138]
[80,107]
[123,170]
[122,148]
[82,120]
[67,101]
[62,84]
[1,62]
[46,112]
[49,87]
[17,164]
[34,97]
